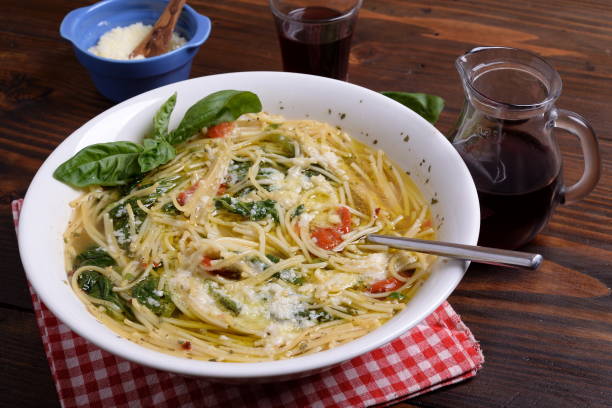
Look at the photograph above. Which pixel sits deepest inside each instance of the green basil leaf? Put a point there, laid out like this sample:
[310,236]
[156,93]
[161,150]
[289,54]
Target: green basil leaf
[105,164]
[156,152]
[222,106]
[119,163]
[428,106]
[162,118]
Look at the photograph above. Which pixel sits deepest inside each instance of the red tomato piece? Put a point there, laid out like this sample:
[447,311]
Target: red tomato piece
[222,189]
[327,238]
[220,130]
[206,261]
[345,220]
[386,285]
[226,273]
[181,198]
[184,195]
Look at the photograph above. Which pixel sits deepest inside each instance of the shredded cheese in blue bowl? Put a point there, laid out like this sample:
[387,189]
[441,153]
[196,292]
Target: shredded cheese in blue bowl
[116,79]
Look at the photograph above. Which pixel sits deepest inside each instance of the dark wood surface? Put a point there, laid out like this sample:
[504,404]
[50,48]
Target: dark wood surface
[546,335]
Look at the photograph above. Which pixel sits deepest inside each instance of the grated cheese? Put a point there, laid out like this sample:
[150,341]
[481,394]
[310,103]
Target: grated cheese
[377,267]
[119,42]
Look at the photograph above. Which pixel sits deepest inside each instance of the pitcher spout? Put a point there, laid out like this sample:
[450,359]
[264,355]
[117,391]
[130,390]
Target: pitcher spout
[471,61]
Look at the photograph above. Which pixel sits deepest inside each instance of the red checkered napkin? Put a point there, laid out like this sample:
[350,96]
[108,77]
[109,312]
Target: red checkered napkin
[439,351]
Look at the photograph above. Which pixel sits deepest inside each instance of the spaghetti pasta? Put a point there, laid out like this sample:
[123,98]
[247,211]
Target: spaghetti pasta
[250,247]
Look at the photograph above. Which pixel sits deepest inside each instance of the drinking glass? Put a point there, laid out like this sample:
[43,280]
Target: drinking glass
[315,35]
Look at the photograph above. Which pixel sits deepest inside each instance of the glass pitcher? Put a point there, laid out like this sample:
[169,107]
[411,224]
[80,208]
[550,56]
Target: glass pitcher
[504,135]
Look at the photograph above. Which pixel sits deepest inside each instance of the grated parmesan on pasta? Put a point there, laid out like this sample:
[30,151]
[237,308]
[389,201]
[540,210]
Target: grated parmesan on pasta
[252,245]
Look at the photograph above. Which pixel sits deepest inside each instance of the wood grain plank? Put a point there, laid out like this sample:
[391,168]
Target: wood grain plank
[25,379]
[546,335]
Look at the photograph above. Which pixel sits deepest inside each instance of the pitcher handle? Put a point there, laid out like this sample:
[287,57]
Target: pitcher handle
[579,127]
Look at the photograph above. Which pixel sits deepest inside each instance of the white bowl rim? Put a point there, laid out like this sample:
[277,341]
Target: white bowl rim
[225,370]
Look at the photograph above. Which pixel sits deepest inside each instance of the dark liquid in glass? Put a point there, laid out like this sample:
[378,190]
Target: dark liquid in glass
[318,49]
[518,183]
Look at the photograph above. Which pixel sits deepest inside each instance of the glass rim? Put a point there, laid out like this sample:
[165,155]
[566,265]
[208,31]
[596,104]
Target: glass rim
[349,13]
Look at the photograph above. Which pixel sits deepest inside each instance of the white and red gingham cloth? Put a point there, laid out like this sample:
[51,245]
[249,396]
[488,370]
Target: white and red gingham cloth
[439,351]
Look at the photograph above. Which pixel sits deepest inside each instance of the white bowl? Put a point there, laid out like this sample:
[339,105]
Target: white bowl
[364,114]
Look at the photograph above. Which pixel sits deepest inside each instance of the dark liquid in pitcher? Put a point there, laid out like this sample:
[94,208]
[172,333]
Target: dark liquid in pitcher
[315,49]
[518,187]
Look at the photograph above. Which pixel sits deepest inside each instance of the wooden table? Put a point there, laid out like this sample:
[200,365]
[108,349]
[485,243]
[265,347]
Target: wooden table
[546,335]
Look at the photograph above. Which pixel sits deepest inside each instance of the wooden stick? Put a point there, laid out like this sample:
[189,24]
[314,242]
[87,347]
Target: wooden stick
[158,40]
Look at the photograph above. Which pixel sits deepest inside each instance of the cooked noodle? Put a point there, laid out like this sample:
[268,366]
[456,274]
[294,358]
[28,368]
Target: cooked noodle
[254,243]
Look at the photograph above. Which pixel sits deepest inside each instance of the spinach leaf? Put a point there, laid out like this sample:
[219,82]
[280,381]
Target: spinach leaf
[105,164]
[237,171]
[94,256]
[428,106]
[267,176]
[229,304]
[158,302]
[169,208]
[349,310]
[100,287]
[262,209]
[397,295]
[258,264]
[255,210]
[261,265]
[273,258]
[298,211]
[155,153]
[225,302]
[162,118]
[245,191]
[290,276]
[222,106]
[130,185]
[278,144]
[315,170]
[287,275]
[319,315]
[120,216]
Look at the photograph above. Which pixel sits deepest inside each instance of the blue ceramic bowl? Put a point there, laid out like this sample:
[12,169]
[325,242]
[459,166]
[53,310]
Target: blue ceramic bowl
[119,80]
